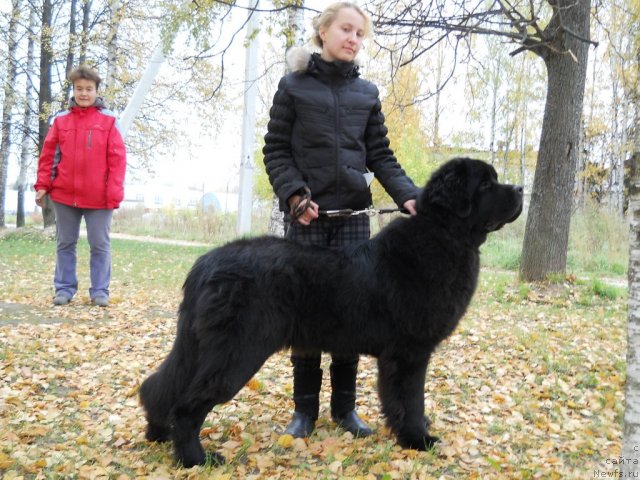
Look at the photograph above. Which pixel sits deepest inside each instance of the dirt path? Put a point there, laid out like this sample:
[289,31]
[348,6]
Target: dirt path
[125,236]
[166,241]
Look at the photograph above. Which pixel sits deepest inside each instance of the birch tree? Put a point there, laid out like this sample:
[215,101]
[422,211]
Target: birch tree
[631,438]
[8,104]
[71,49]
[632,412]
[436,139]
[27,147]
[116,11]
[84,34]
[494,74]
[623,32]
[45,96]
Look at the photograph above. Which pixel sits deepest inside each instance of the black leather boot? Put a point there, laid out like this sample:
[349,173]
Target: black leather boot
[343,396]
[351,422]
[301,425]
[307,380]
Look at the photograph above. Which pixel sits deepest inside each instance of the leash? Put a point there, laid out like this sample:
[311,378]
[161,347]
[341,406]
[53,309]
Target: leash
[305,200]
[369,212]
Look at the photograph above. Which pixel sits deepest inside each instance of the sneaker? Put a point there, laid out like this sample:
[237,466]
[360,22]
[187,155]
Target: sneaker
[61,299]
[100,301]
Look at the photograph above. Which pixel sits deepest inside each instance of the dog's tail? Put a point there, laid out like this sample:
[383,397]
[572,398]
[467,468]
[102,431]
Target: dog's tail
[161,390]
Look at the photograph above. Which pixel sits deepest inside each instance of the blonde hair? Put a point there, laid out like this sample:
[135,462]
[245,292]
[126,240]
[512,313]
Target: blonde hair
[326,18]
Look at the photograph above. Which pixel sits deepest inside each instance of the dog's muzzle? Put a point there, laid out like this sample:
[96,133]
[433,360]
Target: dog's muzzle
[518,192]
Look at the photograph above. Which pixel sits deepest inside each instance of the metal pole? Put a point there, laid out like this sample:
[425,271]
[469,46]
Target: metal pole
[248,125]
[143,87]
[146,82]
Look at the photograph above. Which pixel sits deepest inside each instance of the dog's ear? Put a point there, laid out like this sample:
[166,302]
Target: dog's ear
[448,188]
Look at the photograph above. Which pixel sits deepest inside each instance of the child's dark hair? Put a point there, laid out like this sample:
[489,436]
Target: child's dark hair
[85,72]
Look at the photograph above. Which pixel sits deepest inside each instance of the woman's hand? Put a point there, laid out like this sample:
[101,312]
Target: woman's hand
[40,194]
[308,215]
[410,206]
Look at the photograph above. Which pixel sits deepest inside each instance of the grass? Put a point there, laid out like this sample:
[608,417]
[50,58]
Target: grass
[604,290]
[164,265]
[598,244]
[185,224]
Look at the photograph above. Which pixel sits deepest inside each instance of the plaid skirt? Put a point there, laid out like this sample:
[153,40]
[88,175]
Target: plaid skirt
[330,231]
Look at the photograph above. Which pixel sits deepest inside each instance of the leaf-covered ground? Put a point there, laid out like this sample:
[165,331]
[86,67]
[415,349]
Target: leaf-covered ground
[529,386]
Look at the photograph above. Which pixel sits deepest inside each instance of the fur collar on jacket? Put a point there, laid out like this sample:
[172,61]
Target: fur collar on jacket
[300,60]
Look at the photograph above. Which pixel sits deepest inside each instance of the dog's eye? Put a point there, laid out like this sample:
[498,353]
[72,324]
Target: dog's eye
[486,185]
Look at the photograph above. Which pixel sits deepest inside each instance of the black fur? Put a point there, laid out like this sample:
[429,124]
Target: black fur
[395,297]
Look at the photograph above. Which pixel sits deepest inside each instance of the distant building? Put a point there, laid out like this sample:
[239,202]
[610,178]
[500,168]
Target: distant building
[155,197]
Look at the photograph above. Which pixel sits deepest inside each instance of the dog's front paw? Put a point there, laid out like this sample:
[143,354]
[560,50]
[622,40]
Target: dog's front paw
[422,442]
[189,454]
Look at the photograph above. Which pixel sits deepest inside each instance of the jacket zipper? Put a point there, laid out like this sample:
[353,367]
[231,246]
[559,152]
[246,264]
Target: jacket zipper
[89,141]
[337,147]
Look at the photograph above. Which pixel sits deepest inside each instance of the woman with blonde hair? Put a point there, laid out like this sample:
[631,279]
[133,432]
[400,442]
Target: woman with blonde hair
[326,132]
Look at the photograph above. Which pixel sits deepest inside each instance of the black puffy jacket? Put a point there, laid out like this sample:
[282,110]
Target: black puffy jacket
[326,129]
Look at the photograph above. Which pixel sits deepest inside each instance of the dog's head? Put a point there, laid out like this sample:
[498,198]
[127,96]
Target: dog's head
[468,189]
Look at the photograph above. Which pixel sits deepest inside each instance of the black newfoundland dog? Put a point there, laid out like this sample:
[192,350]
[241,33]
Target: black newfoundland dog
[395,297]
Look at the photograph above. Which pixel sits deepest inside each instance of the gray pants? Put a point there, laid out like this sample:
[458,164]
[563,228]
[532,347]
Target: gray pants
[98,223]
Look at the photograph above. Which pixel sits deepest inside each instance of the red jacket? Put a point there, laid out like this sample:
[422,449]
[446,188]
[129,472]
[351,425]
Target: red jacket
[83,160]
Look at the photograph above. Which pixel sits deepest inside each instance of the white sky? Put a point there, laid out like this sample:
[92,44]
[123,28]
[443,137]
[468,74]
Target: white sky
[214,159]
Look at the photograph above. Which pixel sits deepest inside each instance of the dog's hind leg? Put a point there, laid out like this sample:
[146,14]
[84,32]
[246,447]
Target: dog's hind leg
[153,399]
[401,390]
[159,392]
[222,371]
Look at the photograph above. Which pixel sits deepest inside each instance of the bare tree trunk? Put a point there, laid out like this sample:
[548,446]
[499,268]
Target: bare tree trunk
[547,230]
[44,99]
[112,41]
[296,27]
[507,146]
[613,148]
[27,150]
[622,154]
[587,141]
[523,145]
[84,37]
[7,106]
[631,438]
[622,110]
[495,83]
[70,49]
[436,111]
[632,390]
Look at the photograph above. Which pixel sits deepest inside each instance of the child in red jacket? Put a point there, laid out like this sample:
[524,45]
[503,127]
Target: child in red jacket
[82,167]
